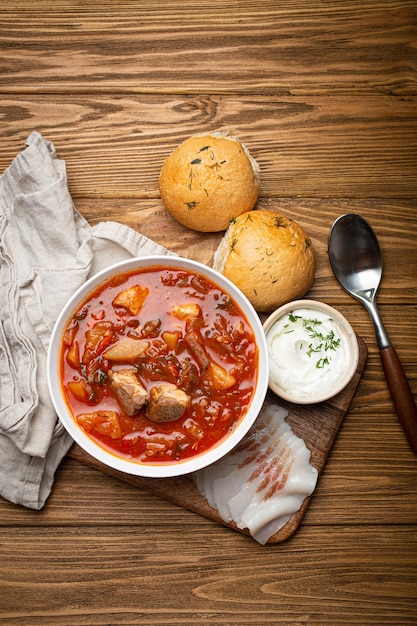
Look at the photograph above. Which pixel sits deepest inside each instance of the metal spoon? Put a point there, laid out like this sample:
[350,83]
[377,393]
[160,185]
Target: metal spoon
[356,260]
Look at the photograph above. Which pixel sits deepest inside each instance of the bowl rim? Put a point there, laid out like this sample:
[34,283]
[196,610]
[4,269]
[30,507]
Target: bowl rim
[346,329]
[132,467]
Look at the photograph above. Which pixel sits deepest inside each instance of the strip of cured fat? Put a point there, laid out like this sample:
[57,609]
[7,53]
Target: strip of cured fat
[262,482]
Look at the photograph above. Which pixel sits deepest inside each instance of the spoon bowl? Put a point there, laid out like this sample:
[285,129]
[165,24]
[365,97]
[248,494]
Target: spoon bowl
[356,260]
[353,239]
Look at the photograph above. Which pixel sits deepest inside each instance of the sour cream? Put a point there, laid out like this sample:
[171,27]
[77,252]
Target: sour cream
[310,353]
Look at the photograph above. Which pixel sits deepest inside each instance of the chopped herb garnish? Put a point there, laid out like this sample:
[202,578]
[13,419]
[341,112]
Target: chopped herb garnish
[319,341]
[312,349]
[195,161]
[225,303]
[280,221]
[190,176]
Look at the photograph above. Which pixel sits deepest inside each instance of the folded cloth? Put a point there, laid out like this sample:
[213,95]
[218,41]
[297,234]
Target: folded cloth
[47,250]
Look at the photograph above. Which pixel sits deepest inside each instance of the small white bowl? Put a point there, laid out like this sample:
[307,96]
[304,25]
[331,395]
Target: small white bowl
[313,351]
[176,468]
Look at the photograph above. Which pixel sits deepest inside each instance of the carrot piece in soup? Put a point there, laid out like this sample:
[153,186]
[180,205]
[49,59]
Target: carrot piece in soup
[96,339]
[186,311]
[103,422]
[70,332]
[73,355]
[171,338]
[79,390]
[221,379]
[132,299]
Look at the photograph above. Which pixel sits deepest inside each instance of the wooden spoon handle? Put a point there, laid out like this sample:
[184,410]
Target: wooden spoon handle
[401,394]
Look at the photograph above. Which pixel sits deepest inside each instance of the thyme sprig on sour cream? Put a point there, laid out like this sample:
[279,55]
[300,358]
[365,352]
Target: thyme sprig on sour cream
[319,341]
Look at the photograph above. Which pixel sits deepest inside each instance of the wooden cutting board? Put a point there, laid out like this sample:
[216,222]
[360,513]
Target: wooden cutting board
[317,424]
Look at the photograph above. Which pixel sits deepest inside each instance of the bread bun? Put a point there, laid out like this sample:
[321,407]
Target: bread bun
[208,180]
[268,256]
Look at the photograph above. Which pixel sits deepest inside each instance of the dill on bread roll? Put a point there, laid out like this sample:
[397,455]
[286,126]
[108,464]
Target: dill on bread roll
[208,180]
[268,256]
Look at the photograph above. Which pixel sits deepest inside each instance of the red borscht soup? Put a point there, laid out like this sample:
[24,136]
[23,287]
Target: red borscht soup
[158,365]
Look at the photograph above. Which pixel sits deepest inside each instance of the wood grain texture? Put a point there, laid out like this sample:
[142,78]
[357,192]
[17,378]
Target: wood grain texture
[125,577]
[313,146]
[201,47]
[324,94]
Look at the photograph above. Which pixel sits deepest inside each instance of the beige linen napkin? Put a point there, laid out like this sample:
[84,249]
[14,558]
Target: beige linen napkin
[47,250]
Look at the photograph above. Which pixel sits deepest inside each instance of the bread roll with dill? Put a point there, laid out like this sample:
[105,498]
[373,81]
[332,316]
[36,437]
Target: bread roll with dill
[268,256]
[208,180]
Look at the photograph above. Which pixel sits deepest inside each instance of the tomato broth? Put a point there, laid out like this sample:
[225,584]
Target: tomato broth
[167,325]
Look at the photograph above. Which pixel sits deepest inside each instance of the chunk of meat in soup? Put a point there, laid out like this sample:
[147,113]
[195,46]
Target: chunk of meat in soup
[129,391]
[167,403]
[196,348]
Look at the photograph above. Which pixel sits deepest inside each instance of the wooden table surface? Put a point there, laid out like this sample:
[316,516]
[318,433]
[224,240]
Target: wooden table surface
[324,94]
